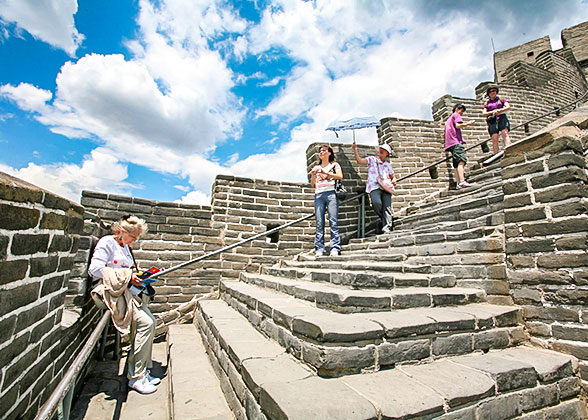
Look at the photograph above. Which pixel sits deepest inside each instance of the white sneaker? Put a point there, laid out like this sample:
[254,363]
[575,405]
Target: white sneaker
[152,379]
[334,253]
[319,253]
[142,385]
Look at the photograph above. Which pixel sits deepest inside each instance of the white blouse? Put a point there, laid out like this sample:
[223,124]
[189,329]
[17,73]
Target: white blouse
[108,253]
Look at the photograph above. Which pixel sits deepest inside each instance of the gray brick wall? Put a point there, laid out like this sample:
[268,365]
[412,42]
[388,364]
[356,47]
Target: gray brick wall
[39,237]
[546,224]
[576,38]
[524,52]
[243,207]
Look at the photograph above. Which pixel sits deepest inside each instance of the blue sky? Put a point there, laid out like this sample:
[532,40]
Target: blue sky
[155,98]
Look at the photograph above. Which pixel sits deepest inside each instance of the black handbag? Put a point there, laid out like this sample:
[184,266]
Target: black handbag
[340,190]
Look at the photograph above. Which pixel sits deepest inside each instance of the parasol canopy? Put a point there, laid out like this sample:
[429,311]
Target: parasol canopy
[354,123]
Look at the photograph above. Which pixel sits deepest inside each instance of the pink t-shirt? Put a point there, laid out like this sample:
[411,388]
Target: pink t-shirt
[385,168]
[453,134]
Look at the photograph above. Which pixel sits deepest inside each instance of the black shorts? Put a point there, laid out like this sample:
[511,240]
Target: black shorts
[496,125]
[458,154]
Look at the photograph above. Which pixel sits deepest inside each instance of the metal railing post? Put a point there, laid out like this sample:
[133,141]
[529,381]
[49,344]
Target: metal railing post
[66,405]
[363,216]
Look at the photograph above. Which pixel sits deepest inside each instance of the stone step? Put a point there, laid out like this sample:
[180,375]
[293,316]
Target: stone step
[490,187]
[106,395]
[326,263]
[455,210]
[262,381]
[479,228]
[366,256]
[452,231]
[488,175]
[478,168]
[366,279]
[349,300]
[335,343]
[195,392]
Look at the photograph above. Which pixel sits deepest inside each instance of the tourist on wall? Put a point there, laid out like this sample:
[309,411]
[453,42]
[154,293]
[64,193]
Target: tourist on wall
[114,266]
[494,110]
[380,184]
[322,179]
[454,143]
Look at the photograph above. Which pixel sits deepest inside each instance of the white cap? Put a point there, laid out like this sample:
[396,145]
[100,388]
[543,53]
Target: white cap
[386,147]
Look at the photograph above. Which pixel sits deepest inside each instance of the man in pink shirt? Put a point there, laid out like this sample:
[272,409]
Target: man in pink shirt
[454,143]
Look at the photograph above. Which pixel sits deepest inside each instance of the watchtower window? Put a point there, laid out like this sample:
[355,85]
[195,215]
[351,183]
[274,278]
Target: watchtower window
[527,128]
[530,54]
[272,238]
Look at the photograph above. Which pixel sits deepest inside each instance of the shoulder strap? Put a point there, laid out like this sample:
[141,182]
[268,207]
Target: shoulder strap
[134,260]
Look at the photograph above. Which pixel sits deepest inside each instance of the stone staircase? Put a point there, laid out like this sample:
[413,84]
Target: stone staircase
[416,324]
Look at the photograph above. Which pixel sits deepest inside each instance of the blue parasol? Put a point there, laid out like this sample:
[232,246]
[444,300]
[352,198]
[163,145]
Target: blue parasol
[353,124]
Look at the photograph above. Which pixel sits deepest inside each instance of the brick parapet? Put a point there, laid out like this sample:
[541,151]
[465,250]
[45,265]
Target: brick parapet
[525,52]
[39,237]
[243,207]
[546,205]
[576,39]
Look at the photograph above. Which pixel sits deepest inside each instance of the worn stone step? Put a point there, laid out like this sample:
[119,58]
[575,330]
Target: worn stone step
[265,382]
[453,212]
[485,175]
[106,395]
[346,299]
[195,391]
[335,343]
[453,206]
[350,256]
[354,265]
[481,190]
[454,230]
[478,168]
[366,279]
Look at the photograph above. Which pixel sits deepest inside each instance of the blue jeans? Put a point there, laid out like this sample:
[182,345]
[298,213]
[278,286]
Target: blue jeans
[326,201]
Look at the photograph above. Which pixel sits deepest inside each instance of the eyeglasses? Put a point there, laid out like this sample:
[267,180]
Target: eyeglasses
[323,150]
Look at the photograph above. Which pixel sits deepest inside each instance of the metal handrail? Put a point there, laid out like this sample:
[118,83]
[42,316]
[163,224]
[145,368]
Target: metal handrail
[64,389]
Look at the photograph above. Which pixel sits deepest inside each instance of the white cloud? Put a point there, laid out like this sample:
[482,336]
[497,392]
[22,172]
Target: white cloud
[171,103]
[100,171]
[27,96]
[51,21]
[183,188]
[195,197]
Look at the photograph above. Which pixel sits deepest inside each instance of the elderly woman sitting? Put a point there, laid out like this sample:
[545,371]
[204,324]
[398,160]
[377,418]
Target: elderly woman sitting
[113,265]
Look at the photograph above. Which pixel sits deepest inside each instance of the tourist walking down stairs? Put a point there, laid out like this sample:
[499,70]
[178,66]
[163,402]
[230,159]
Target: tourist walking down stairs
[114,267]
[454,143]
[380,184]
[322,179]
